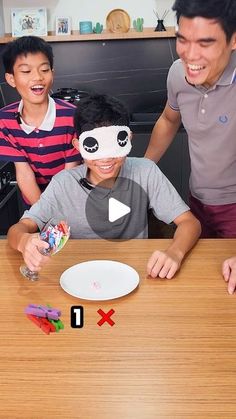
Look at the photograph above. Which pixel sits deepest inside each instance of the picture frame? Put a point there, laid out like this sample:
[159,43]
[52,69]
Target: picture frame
[63,25]
[29,21]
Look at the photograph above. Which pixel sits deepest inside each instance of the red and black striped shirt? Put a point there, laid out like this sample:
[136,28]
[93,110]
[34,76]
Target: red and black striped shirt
[45,151]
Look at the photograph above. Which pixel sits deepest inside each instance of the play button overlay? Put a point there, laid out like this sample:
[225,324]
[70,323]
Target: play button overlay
[118,211]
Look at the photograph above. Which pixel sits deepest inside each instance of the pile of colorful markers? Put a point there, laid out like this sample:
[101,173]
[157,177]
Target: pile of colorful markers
[45,317]
[56,236]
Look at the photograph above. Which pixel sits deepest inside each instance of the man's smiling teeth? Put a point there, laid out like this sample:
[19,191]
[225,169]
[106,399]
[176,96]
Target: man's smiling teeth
[195,67]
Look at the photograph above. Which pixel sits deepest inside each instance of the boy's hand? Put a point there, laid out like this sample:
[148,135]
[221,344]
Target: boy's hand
[31,247]
[229,273]
[163,264]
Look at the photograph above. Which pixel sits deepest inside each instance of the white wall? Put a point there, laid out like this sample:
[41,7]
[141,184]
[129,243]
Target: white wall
[94,10]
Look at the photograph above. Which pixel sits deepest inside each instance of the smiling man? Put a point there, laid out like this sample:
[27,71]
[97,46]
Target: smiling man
[202,94]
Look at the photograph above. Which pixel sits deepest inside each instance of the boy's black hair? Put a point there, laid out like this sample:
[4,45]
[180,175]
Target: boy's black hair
[223,11]
[23,46]
[97,110]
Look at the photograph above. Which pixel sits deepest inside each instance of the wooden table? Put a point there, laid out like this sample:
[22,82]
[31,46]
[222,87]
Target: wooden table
[170,354]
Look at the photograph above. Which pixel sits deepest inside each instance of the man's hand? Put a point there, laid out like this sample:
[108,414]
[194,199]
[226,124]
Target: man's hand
[229,273]
[163,264]
[32,247]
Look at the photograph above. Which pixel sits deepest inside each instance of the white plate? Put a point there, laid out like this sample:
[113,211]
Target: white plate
[99,280]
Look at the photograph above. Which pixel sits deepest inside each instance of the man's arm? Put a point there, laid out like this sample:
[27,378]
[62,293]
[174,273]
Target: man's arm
[166,264]
[23,237]
[163,133]
[27,182]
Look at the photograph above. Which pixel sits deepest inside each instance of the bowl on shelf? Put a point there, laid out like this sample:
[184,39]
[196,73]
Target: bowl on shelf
[118,21]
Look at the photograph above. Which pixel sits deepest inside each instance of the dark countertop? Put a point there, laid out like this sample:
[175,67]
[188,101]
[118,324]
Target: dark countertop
[144,122]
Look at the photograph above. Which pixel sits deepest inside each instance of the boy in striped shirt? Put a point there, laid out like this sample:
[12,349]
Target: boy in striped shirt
[35,133]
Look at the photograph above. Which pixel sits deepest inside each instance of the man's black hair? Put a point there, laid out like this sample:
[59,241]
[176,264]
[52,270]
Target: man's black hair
[97,110]
[23,46]
[223,11]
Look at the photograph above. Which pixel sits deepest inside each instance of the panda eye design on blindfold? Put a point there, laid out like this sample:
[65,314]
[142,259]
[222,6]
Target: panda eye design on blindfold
[122,138]
[90,144]
[105,142]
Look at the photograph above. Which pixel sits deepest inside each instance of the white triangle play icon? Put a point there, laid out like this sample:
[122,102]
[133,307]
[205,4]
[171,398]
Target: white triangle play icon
[116,209]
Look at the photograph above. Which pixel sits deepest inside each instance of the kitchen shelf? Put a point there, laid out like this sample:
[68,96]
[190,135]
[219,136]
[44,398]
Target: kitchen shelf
[104,36]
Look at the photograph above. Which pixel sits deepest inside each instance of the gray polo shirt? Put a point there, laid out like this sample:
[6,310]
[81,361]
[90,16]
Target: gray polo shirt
[65,199]
[209,117]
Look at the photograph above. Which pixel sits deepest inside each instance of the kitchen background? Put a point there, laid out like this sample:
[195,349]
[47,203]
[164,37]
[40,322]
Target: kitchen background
[133,70]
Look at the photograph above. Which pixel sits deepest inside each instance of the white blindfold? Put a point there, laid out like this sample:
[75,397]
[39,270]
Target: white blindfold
[105,142]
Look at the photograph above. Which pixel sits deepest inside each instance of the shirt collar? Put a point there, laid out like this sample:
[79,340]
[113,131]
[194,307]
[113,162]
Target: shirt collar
[229,75]
[49,119]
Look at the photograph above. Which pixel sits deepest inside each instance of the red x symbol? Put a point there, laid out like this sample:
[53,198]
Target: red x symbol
[106,317]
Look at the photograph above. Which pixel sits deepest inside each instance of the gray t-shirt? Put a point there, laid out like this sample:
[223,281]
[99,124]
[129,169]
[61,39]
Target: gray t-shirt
[65,199]
[209,118]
